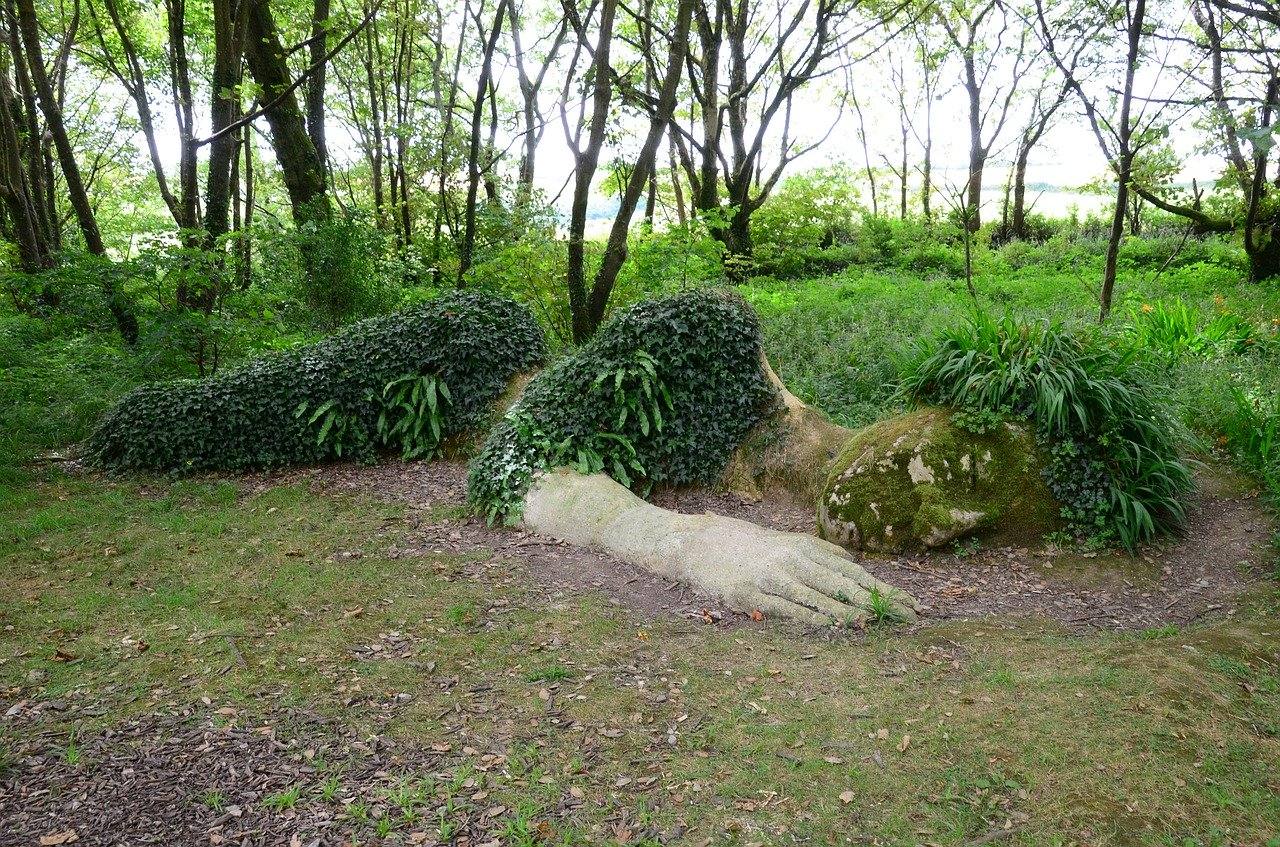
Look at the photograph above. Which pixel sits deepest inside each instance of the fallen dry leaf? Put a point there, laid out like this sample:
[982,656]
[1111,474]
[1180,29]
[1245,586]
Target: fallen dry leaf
[904,743]
[847,797]
[757,615]
[52,838]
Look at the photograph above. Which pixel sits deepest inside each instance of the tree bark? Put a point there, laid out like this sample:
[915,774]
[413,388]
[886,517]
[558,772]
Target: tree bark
[29,27]
[228,49]
[303,174]
[316,82]
[641,174]
[473,153]
[587,160]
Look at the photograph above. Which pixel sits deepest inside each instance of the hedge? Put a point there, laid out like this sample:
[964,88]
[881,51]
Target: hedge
[305,405]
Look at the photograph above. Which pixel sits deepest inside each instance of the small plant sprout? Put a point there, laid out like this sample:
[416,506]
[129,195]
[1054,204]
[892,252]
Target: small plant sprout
[71,754]
[551,673]
[214,799]
[880,609]
[329,788]
[282,800]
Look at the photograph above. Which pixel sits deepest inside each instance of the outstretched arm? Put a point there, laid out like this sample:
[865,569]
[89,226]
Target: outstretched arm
[749,567]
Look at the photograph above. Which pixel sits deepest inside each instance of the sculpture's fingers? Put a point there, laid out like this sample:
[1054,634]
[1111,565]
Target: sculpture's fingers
[837,606]
[840,562]
[861,591]
[774,604]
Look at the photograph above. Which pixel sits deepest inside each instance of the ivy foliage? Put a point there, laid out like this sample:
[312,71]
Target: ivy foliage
[1115,465]
[406,380]
[663,394]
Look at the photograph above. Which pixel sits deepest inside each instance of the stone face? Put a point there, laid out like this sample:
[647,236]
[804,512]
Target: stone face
[921,481]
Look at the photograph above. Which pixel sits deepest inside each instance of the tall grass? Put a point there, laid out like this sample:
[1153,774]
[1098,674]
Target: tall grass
[1076,387]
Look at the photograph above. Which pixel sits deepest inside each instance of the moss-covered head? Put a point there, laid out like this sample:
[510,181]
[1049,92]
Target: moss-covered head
[663,394]
[920,480]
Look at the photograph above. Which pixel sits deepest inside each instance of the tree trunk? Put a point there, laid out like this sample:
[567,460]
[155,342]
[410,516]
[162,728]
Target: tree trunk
[228,47]
[34,252]
[316,82]
[1113,241]
[587,160]
[1264,259]
[29,26]
[642,174]
[473,152]
[300,166]
[1018,215]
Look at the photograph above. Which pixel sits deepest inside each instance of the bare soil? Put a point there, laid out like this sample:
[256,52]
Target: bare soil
[1174,582]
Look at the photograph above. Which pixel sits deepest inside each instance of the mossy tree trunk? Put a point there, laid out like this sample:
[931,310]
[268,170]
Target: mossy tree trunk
[300,164]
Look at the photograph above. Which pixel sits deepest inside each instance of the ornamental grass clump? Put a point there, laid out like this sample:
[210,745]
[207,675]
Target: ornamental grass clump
[405,381]
[1114,445]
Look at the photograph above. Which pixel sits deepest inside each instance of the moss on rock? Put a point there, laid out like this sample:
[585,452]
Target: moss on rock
[919,480]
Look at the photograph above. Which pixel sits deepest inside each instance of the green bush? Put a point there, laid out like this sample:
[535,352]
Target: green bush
[663,394]
[339,267]
[1172,327]
[310,403]
[1114,444]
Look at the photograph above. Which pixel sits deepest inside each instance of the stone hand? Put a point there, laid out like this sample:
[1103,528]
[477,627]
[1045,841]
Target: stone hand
[747,566]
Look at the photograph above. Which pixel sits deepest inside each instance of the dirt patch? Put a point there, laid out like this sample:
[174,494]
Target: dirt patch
[1174,582]
[439,522]
[214,777]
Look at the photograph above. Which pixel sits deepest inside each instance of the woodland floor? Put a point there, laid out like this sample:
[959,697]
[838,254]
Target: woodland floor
[342,655]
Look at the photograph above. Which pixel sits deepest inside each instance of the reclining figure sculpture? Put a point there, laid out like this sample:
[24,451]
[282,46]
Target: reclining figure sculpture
[674,392]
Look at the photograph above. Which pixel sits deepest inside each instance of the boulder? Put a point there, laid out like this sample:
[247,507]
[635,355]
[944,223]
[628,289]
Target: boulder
[920,480]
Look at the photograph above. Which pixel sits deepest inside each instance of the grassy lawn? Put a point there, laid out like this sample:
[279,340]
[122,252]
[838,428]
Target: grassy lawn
[120,598]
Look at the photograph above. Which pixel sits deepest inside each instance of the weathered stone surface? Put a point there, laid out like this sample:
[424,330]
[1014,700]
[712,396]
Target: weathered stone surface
[919,480]
[749,567]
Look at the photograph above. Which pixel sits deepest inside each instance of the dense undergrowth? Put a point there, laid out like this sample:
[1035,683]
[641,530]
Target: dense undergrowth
[841,301]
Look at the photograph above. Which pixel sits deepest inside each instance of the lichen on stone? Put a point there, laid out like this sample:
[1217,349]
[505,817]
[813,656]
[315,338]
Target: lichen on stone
[921,481]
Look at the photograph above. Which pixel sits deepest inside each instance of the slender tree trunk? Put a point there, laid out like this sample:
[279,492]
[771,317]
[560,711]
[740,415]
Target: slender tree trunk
[1115,236]
[587,160]
[300,167]
[641,175]
[228,38]
[316,82]
[442,187]
[34,252]
[866,152]
[184,114]
[29,26]
[473,154]
[1018,213]
[1124,163]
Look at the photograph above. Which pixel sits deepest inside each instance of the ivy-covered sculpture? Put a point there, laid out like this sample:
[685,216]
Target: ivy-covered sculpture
[677,392]
[673,391]
[410,380]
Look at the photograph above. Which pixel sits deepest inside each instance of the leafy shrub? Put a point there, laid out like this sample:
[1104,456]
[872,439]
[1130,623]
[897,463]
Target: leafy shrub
[663,394]
[531,271]
[1172,327]
[1252,432]
[337,266]
[289,407]
[1173,250]
[814,209]
[672,259]
[53,385]
[1097,404]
